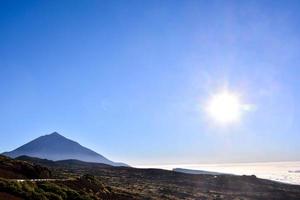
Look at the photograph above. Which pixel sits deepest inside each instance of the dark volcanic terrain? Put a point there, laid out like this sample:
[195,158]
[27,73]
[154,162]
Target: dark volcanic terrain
[72,179]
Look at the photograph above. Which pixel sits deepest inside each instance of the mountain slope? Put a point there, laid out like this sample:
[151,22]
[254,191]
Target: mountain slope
[56,147]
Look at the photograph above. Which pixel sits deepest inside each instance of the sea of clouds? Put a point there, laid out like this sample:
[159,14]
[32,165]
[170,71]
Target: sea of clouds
[287,172]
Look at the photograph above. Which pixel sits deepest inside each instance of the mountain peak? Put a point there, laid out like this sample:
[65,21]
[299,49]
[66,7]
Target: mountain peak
[54,134]
[57,147]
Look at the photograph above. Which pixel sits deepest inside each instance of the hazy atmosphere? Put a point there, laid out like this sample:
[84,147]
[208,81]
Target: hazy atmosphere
[154,82]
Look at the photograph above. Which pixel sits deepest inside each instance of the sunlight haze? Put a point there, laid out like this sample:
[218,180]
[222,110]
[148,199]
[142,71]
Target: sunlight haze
[142,82]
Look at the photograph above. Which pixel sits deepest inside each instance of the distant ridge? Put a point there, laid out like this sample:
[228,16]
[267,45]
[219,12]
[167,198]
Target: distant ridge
[71,163]
[193,171]
[57,147]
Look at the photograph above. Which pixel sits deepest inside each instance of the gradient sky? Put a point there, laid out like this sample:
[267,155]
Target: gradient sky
[129,79]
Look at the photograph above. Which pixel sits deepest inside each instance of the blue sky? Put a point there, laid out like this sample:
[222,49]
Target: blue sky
[129,78]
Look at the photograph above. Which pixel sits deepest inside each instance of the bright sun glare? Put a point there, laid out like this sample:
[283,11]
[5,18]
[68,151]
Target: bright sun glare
[225,107]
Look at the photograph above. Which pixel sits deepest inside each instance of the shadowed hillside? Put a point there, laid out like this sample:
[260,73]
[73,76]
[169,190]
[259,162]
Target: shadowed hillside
[15,169]
[21,180]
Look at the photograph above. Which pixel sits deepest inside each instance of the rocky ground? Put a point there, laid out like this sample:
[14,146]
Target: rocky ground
[80,180]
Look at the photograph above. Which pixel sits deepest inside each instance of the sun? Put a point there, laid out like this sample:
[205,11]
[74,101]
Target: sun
[225,107]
